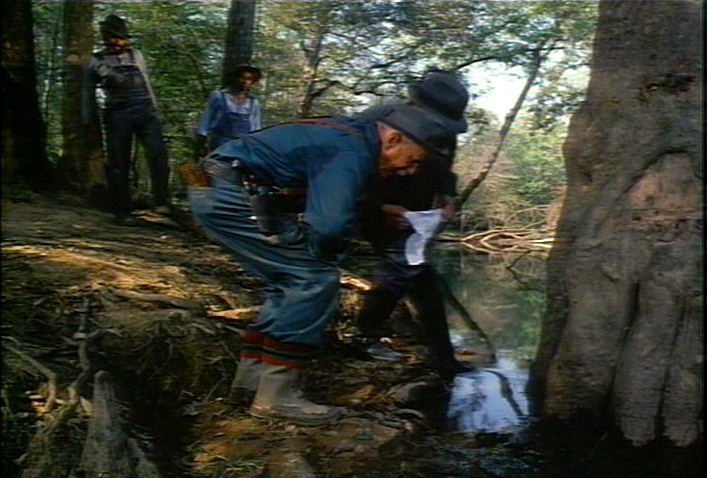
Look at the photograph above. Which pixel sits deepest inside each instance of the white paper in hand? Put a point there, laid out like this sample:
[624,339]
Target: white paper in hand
[425,224]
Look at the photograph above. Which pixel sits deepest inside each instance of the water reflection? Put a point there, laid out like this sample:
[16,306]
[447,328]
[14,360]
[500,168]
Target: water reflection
[491,399]
[507,304]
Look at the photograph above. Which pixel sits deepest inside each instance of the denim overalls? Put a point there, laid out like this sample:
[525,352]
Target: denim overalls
[234,121]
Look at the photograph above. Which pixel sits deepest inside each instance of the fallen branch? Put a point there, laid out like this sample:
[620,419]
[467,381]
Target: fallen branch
[240,313]
[158,298]
[50,374]
[506,240]
[465,315]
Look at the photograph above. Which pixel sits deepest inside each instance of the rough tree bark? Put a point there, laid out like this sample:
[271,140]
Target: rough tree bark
[239,35]
[24,157]
[81,166]
[622,337]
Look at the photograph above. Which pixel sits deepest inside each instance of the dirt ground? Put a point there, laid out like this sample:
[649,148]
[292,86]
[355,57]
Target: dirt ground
[158,308]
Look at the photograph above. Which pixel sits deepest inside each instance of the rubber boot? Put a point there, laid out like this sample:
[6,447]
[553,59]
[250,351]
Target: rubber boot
[279,394]
[250,364]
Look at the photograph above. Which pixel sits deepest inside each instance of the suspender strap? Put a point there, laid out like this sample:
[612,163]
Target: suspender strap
[209,164]
[329,124]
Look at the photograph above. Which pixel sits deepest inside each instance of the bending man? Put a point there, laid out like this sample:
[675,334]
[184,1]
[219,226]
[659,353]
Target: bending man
[331,162]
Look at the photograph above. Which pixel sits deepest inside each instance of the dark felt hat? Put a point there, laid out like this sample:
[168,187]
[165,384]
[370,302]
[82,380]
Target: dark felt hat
[425,127]
[243,67]
[442,93]
[113,26]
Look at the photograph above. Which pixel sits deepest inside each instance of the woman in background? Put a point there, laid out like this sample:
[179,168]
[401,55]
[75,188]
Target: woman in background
[230,112]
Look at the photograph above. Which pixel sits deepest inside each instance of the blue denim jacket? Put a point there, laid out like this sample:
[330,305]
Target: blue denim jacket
[334,165]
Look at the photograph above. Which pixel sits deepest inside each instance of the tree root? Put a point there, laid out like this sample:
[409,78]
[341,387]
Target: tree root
[51,399]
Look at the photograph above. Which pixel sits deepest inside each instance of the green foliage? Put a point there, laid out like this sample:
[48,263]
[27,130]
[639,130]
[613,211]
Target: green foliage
[47,40]
[530,173]
[321,58]
[538,164]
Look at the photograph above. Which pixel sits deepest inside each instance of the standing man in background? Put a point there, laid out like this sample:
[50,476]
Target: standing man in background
[129,110]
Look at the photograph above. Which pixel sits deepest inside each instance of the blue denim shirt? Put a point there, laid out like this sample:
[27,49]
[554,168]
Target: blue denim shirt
[334,165]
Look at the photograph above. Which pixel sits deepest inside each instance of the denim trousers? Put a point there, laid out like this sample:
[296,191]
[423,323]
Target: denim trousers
[301,291]
[121,126]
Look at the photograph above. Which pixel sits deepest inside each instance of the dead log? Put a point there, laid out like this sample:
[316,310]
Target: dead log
[108,451]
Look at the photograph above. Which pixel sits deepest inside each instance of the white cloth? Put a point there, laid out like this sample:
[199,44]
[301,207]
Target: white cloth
[425,224]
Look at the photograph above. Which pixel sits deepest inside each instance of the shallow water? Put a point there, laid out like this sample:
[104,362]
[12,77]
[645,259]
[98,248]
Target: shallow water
[490,399]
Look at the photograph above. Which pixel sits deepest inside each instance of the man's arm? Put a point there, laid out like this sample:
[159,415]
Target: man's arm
[333,191]
[394,217]
[89,107]
[142,66]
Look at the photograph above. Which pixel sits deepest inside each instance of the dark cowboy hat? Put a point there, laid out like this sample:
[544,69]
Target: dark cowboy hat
[425,127]
[442,93]
[243,67]
[114,27]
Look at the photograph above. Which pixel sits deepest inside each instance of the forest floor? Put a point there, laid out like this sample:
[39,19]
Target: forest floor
[159,308]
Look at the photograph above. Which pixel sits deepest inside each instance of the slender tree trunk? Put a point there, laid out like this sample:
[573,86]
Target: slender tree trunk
[239,35]
[81,166]
[537,61]
[312,52]
[24,156]
[621,340]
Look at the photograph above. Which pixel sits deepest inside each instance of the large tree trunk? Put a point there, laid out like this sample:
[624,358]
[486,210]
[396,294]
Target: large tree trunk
[24,156]
[81,166]
[239,35]
[622,337]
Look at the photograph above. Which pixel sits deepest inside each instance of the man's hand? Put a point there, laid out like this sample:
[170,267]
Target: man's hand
[102,69]
[109,76]
[394,216]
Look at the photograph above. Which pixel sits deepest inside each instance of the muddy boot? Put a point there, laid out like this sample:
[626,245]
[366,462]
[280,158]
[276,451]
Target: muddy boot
[279,394]
[245,382]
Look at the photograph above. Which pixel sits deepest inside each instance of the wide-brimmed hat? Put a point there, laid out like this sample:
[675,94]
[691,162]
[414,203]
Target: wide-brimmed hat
[443,94]
[244,67]
[425,127]
[113,27]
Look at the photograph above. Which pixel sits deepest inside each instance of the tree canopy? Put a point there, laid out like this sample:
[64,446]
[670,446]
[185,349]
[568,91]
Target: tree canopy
[324,58]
